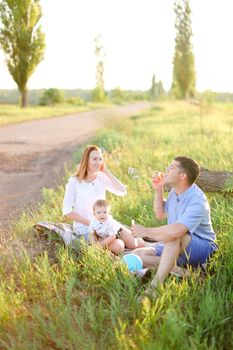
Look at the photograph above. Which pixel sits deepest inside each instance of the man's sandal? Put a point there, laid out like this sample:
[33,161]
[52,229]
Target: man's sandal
[151,292]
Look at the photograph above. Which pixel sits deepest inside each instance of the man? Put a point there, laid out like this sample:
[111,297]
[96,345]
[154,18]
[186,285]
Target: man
[188,238]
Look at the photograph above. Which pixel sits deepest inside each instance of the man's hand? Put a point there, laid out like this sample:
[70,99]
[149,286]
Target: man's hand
[157,180]
[138,230]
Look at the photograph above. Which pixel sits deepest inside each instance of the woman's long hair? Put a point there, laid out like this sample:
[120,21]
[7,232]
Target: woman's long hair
[81,172]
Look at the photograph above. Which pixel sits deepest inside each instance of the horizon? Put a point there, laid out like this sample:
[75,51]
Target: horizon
[108,90]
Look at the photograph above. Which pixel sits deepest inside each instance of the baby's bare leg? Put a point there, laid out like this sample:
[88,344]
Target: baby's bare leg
[117,246]
[130,241]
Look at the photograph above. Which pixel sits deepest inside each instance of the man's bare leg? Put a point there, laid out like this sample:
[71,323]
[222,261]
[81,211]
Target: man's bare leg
[170,254]
[147,254]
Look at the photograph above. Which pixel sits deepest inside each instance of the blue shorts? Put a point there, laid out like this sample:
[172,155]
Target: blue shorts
[196,253]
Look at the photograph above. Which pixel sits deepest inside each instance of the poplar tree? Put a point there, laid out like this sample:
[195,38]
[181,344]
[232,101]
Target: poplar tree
[153,89]
[184,78]
[98,93]
[156,91]
[22,40]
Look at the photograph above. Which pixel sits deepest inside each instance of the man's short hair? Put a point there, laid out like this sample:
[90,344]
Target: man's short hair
[190,167]
[101,203]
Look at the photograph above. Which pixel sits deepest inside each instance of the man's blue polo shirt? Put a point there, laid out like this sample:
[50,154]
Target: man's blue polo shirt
[191,209]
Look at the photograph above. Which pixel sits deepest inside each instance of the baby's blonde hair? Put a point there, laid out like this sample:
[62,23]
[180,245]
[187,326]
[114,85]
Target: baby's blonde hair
[101,203]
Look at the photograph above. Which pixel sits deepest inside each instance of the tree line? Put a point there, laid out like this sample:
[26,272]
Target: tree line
[23,42]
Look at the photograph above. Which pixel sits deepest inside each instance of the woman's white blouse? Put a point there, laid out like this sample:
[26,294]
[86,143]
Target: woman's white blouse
[80,196]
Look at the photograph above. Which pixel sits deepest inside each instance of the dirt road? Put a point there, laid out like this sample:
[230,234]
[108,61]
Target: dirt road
[33,154]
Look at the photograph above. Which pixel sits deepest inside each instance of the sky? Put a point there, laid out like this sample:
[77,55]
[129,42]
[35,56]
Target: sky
[138,36]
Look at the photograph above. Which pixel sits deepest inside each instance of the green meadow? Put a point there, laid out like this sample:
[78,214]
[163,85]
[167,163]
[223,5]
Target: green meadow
[55,298]
[11,114]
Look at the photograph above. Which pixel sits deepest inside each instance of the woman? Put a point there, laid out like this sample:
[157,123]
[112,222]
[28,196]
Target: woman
[85,187]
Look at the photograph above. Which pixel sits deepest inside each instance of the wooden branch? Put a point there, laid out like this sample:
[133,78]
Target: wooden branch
[213,181]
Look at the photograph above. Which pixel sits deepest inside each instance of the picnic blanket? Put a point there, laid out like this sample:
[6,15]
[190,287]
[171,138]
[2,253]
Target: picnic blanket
[63,230]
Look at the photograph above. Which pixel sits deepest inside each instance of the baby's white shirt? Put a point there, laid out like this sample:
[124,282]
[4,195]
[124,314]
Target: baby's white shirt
[105,229]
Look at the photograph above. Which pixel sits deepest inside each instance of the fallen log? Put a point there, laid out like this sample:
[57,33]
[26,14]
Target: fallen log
[214,181]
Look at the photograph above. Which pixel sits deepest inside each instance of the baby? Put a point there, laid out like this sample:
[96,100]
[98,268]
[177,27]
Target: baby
[108,232]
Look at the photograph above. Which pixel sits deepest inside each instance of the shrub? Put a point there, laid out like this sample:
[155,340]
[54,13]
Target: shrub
[75,100]
[51,97]
[98,95]
[117,95]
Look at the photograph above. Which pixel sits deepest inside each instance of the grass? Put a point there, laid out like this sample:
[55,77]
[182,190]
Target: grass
[50,298]
[11,114]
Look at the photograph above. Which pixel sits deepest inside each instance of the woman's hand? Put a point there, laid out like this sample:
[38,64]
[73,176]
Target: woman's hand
[76,217]
[157,180]
[138,230]
[103,167]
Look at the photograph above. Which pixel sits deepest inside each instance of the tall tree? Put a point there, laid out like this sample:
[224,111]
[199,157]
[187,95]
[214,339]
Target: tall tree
[153,89]
[99,92]
[184,77]
[22,40]
[160,89]
[156,91]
